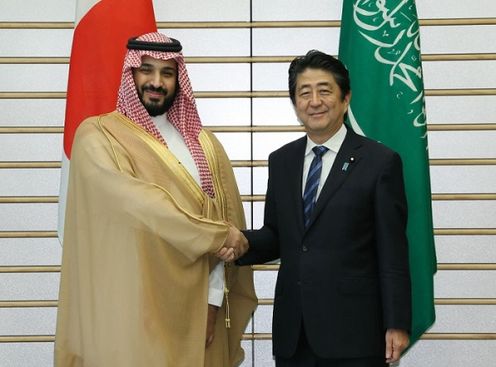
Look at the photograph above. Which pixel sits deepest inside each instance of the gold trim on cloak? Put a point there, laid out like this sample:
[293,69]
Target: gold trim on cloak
[209,150]
[213,164]
[164,154]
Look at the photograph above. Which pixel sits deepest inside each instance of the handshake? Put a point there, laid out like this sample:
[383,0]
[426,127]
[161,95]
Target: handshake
[234,246]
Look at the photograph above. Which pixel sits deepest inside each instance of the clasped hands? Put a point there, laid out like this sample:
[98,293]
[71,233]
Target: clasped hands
[234,246]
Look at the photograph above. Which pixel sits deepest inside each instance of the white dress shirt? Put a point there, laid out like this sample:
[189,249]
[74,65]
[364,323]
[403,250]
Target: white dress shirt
[334,144]
[178,147]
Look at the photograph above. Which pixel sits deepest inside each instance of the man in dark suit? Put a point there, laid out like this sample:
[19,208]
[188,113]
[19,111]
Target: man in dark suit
[335,215]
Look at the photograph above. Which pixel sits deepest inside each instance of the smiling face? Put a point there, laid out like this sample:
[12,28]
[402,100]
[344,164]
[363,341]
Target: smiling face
[319,104]
[156,83]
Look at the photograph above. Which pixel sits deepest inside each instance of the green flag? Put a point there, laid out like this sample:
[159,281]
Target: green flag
[380,46]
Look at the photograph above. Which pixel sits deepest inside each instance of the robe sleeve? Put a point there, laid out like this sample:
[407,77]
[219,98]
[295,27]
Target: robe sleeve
[111,192]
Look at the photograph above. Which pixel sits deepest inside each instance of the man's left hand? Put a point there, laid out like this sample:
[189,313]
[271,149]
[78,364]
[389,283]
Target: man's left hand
[396,342]
[211,317]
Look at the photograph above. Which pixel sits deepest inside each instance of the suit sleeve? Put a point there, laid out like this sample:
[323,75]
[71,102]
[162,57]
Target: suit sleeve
[264,245]
[392,245]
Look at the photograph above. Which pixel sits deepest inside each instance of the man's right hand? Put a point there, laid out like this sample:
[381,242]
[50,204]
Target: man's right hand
[234,247]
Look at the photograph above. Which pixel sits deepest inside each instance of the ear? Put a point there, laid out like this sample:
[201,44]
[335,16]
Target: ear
[348,97]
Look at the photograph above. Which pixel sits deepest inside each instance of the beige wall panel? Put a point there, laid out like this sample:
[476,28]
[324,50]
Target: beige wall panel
[265,282]
[236,145]
[247,207]
[247,345]
[28,321]
[260,177]
[33,78]
[455,9]
[274,41]
[28,217]
[190,10]
[265,143]
[465,319]
[452,353]
[258,215]
[263,353]
[465,249]
[331,9]
[270,76]
[273,111]
[224,111]
[294,10]
[211,41]
[243,179]
[29,182]
[27,354]
[51,11]
[262,319]
[464,214]
[462,144]
[30,147]
[461,109]
[463,179]
[465,284]
[459,74]
[457,39]
[30,251]
[57,42]
[29,286]
[32,112]
[219,77]
[35,42]
[202,11]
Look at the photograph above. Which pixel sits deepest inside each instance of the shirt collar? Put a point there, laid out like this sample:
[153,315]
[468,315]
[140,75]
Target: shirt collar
[333,143]
[160,120]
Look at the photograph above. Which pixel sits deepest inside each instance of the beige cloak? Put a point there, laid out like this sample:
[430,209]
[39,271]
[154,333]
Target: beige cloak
[139,240]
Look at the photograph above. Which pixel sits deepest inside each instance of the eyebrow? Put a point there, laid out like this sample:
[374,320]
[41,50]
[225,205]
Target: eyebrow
[320,84]
[147,65]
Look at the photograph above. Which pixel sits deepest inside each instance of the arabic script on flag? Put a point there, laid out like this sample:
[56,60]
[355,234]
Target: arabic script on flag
[395,35]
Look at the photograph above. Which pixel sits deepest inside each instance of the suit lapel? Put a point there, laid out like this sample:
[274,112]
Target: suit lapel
[294,170]
[346,159]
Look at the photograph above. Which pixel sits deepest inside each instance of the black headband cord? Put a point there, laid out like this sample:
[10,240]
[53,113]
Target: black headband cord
[135,44]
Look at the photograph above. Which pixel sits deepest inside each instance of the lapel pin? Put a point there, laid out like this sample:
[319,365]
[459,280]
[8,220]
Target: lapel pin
[347,164]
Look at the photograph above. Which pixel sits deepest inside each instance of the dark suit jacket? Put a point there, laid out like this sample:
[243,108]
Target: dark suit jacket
[346,276]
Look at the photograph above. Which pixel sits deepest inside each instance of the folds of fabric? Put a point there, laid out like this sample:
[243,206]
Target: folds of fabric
[138,247]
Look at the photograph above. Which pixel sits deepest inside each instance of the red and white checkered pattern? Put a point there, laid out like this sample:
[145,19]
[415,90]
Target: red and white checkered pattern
[183,113]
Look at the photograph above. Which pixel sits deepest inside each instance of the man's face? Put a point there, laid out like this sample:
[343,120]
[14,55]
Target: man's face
[155,82]
[319,104]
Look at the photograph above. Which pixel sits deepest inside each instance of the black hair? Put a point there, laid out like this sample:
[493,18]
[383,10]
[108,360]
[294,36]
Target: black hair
[315,59]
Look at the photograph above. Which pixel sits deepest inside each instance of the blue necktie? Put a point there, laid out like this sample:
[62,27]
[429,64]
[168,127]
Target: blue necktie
[312,184]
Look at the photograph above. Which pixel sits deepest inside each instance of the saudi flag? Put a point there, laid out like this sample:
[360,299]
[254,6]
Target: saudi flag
[380,46]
